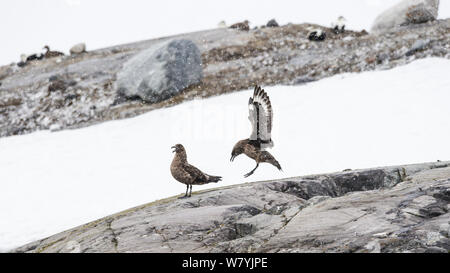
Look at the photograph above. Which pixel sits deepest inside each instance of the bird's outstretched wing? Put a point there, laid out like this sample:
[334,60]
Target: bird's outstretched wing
[260,116]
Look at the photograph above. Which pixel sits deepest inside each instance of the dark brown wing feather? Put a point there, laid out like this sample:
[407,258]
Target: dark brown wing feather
[198,177]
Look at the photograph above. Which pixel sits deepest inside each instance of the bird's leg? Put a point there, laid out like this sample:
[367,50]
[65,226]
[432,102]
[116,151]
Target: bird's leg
[186,195]
[252,171]
[190,191]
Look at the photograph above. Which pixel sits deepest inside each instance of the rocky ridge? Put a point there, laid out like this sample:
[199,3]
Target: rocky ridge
[388,209]
[80,90]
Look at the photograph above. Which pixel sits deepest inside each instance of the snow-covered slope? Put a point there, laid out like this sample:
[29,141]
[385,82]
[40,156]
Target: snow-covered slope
[55,181]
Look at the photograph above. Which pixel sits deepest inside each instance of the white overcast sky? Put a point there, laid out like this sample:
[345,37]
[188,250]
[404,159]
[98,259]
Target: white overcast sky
[27,25]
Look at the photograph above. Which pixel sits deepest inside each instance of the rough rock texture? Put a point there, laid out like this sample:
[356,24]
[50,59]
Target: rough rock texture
[161,71]
[390,209]
[406,12]
[231,59]
[78,49]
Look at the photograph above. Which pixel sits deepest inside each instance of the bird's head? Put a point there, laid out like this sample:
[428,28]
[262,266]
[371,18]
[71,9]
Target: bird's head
[238,149]
[46,47]
[178,148]
[234,153]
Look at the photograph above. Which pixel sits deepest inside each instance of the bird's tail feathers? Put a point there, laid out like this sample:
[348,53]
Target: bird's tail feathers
[215,179]
[276,164]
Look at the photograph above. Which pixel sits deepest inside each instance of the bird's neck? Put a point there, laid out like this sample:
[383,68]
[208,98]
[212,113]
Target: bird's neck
[181,156]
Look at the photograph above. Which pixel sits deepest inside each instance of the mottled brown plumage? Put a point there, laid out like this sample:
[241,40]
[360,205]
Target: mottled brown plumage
[260,115]
[251,149]
[51,54]
[187,174]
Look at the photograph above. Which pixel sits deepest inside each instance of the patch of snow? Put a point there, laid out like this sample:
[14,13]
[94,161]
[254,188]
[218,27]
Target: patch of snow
[55,127]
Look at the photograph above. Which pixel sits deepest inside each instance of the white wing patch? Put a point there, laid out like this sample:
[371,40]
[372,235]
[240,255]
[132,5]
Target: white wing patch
[260,115]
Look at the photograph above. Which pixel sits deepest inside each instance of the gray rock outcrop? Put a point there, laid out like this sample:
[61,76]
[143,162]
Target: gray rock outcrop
[405,13]
[161,71]
[389,209]
[272,23]
[78,49]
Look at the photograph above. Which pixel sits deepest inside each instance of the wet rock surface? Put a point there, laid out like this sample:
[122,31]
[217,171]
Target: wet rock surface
[232,60]
[388,209]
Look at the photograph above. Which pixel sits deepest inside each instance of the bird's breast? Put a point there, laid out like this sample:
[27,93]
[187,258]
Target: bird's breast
[179,173]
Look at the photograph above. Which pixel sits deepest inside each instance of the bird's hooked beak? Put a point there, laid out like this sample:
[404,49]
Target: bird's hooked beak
[174,149]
